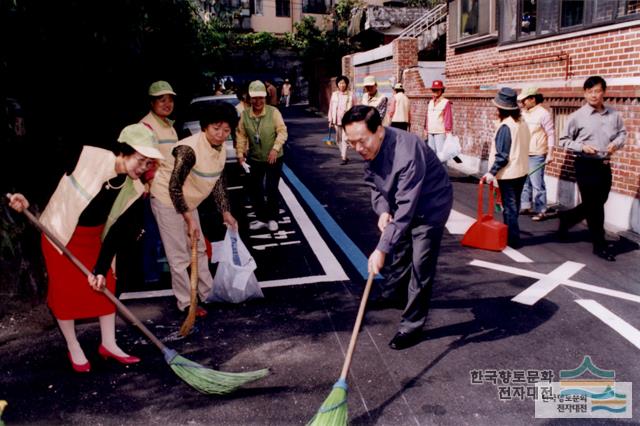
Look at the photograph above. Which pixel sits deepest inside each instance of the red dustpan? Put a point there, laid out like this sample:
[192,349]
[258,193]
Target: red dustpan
[486,233]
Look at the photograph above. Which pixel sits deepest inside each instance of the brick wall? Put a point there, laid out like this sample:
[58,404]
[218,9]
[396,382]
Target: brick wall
[612,54]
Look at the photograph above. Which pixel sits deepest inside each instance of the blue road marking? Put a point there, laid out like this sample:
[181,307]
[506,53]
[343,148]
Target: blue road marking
[353,253]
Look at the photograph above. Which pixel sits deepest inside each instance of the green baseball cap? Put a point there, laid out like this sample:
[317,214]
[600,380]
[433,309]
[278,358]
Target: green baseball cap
[142,139]
[159,88]
[257,89]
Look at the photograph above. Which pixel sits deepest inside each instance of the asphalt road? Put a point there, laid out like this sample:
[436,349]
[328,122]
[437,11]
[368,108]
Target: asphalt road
[478,362]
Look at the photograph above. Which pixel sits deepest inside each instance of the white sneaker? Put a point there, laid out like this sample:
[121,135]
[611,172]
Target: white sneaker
[273,226]
[257,224]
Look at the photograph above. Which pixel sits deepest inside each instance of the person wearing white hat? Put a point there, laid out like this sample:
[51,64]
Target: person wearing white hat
[373,97]
[399,108]
[94,211]
[538,118]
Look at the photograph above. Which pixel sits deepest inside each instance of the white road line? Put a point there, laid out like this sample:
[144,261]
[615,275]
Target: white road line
[516,255]
[332,268]
[623,328]
[459,223]
[546,284]
[568,283]
[146,294]
[231,188]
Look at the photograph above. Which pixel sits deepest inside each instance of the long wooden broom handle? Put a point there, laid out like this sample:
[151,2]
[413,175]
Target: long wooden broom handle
[356,328]
[121,307]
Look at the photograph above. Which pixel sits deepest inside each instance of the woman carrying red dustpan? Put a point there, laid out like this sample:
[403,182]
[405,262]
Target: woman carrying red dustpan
[509,160]
[91,212]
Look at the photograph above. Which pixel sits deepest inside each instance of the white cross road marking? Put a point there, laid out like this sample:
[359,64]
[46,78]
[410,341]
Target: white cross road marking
[459,223]
[547,283]
[625,329]
[567,282]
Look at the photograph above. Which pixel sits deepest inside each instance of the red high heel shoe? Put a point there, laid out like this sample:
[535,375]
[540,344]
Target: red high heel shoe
[79,368]
[105,353]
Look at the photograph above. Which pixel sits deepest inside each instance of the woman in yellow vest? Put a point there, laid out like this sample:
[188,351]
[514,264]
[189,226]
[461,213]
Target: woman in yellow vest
[540,122]
[509,159]
[182,182]
[161,101]
[91,212]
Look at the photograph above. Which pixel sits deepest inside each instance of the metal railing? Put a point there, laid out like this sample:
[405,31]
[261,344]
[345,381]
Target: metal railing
[424,24]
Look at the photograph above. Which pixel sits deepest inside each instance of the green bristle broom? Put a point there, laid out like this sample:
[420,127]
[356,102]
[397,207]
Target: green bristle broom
[334,410]
[202,379]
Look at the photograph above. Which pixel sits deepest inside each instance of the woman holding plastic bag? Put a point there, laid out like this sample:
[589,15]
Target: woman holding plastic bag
[181,184]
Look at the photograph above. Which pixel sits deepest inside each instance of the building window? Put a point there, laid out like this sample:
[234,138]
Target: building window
[316,6]
[469,17]
[256,7]
[283,8]
[572,13]
[539,18]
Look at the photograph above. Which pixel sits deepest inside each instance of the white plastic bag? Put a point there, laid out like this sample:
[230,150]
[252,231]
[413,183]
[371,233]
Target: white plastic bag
[450,149]
[235,281]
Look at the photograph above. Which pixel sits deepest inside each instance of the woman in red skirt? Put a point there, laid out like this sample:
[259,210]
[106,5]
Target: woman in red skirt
[93,212]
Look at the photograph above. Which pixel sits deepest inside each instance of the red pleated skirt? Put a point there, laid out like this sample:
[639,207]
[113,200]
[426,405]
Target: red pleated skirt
[70,296]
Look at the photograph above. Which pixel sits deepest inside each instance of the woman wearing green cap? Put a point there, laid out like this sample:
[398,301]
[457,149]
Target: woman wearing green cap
[92,213]
[260,138]
[161,101]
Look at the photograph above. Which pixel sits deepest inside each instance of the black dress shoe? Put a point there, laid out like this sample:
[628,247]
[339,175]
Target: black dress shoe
[404,340]
[604,254]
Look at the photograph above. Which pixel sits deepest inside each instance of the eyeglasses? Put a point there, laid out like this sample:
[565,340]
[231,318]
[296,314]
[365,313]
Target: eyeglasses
[144,161]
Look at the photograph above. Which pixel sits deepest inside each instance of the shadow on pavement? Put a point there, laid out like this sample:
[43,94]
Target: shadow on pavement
[495,318]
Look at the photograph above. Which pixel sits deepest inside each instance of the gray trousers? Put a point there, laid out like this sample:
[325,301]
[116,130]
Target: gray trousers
[177,247]
[412,264]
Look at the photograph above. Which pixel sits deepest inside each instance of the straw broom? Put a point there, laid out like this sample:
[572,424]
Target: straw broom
[191,317]
[334,410]
[202,379]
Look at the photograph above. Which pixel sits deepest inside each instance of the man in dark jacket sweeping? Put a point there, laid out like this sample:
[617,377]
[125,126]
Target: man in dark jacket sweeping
[412,196]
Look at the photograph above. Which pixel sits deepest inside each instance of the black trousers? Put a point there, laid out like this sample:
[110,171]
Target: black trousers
[412,265]
[402,125]
[594,182]
[263,188]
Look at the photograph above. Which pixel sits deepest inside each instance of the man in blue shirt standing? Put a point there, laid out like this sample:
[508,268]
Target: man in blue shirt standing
[412,196]
[593,133]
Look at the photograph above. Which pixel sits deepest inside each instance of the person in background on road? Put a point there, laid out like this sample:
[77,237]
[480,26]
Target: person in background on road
[509,160]
[243,97]
[93,212]
[272,93]
[182,182]
[593,132]
[341,101]
[540,123]
[372,97]
[161,100]
[286,93]
[412,196]
[399,108]
[439,121]
[260,139]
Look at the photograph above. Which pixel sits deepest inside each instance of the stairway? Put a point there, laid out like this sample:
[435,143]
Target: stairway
[429,27]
